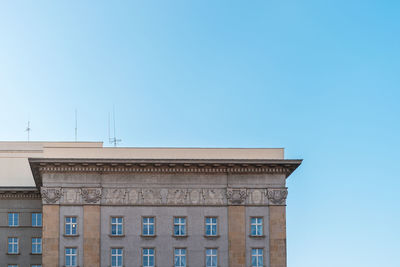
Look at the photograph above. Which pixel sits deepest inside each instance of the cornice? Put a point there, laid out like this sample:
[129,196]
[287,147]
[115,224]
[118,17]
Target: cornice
[16,193]
[207,166]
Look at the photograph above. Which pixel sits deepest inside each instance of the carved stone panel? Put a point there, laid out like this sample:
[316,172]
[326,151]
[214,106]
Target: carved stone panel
[114,196]
[214,196]
[150,196]
[236,196]
[177,196]
[277,196]
[257,197]
[91,195]
[195,196]
[51,195]
[133,196]
[71,196]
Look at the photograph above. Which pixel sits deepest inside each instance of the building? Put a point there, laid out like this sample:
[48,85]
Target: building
[161,206]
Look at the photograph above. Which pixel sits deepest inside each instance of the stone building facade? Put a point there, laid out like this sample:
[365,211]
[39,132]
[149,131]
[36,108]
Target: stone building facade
[147,207]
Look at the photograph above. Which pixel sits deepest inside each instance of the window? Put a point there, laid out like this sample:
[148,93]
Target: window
[36,265]
[70,226]
[36,245]
[257,258]
[211,257]
[211,226]
[256,226]
[36,220]
[117,257]
[148,257]
[179,226]
[117,226]
[13,219]
[70,257]
[180,257]
[13,245]
[148,226]
[12,265]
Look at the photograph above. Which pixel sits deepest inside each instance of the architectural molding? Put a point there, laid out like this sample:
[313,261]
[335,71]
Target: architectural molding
[154,196]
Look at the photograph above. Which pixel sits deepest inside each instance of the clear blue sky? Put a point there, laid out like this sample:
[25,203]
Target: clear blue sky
[319,78]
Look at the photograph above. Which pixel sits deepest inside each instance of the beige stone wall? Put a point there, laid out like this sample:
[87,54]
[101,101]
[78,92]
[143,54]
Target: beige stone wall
[91,235]
[277,232]
[237,236]
[51,232]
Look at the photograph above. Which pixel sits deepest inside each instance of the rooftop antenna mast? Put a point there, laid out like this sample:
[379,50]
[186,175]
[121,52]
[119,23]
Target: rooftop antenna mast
[76,125]
[28,129]
[114,139]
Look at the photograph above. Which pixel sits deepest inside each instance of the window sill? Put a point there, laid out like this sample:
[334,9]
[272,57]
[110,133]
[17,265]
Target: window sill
[35,253]
[148,236]
[211,236]
[13,253]
[64,235]
[257,236]
[180,236]
[116,236]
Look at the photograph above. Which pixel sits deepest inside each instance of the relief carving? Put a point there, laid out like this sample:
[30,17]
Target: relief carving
[236,196]
[195,196]
[71,196]
[256,196]
[277,196]
[177,196]
[51,195]
[133,195]
[214,196]
[91,195]
[151,196]
[114,196]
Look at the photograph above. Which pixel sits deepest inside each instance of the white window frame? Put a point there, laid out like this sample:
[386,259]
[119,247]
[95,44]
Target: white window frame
[13,241]
[257,226]
[71,256]
[212,225]
[181,225]
[35,221]
[71,226]
[36,243]
[148,255]
[182,262]
[119,252]
[257,256]
[146,224]
[117,223]
[211,256]
[14,219]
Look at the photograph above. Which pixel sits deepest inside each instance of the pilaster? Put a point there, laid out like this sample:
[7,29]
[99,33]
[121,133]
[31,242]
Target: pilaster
[51,235]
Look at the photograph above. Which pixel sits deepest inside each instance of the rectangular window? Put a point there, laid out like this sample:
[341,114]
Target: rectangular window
[180,257]
[148,226]
[36,219]
[148,257]
[36,245]
[71,257]
[117,226]
[36,265]
[256,226]
[117,257]
[211,226]
[211,257]
[13,219]
[257,258]
[12,265]
[179,226]
[71,226]
[13,245]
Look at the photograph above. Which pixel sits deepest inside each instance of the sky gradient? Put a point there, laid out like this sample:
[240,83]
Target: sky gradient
[319,78]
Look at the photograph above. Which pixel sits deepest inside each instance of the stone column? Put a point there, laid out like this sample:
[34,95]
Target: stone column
[277,227]
[237,236]
[51,235]
[91,235]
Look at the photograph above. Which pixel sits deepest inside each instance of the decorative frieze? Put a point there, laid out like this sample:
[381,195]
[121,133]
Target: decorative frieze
[164,196]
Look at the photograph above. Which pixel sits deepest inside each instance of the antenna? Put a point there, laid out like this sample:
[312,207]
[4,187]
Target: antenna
[113,140]
[76,125]
[28,129]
